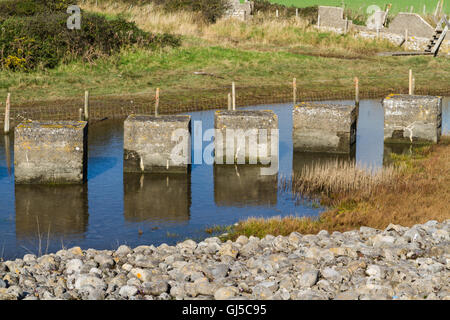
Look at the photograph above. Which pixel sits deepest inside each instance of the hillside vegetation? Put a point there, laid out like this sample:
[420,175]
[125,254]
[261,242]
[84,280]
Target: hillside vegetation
[34,34]
[183,53]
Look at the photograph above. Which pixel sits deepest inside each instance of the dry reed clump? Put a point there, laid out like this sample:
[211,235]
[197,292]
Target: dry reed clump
[342,177]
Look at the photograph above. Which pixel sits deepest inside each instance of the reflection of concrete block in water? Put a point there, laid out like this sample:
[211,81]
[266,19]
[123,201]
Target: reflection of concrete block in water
[50,152]
[157,143]
[243,185]
[396,148]
[307,159]
[409,118]
[324,128]
[61,211]
[157,197]
[245,136]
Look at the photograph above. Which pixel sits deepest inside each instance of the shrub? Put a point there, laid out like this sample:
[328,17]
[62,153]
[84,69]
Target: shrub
[308,13]
[44,40]
[19,8]
[211,10]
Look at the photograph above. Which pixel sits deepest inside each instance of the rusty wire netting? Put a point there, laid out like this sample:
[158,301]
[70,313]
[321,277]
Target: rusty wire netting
[120,106]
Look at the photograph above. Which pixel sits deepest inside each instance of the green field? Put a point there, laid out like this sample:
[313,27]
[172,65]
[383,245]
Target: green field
[397,5]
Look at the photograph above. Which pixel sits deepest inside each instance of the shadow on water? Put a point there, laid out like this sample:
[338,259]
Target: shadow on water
[157,197]
[244,185]
[100,165]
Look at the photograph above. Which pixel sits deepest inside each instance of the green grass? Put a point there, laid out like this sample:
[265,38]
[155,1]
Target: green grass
[397,5]
[138,70]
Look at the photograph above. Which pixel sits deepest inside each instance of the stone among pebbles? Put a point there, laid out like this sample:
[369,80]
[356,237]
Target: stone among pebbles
[225,293]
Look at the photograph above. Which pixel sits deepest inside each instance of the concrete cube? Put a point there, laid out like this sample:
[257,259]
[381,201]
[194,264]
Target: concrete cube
[157,197]
[245,136]
[50,152]
[412,119]
[324,128]
[60,211]
[157,143]
[333,17]
[244,185]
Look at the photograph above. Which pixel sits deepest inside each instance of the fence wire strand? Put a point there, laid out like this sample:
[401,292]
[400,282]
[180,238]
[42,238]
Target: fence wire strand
[121,106]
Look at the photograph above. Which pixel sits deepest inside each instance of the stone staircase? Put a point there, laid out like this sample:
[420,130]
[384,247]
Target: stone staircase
[438,37]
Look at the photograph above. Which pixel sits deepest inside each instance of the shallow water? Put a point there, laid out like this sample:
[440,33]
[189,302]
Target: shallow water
[113,207]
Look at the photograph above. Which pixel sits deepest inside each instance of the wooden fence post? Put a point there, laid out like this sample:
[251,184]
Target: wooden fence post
[229,101]
[7,112]
[86,105]
[156,101]
[294,90]
[233,93]
[410,82]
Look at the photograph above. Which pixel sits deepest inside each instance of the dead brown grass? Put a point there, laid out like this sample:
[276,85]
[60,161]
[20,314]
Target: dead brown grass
[421,193]
[342,177]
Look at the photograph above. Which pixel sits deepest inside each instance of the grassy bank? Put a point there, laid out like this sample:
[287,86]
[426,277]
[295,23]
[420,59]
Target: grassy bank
[173,70]
[418,191]
[266,52]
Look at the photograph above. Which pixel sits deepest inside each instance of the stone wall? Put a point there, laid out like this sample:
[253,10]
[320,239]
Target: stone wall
[419,31]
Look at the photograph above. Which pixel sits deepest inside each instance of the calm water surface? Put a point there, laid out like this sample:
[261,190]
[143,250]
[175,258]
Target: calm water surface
[113,207]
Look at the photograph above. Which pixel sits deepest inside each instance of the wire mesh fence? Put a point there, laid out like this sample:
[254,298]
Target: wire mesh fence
[120,106]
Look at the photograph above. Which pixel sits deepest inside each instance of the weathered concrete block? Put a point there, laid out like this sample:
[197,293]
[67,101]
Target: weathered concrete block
[238,10]
[245,136]
[50,152]
[414,23]
[409,118]
[157,143]
[324,128]
[333,17]
[244,185]
[59,211]
[158,197]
